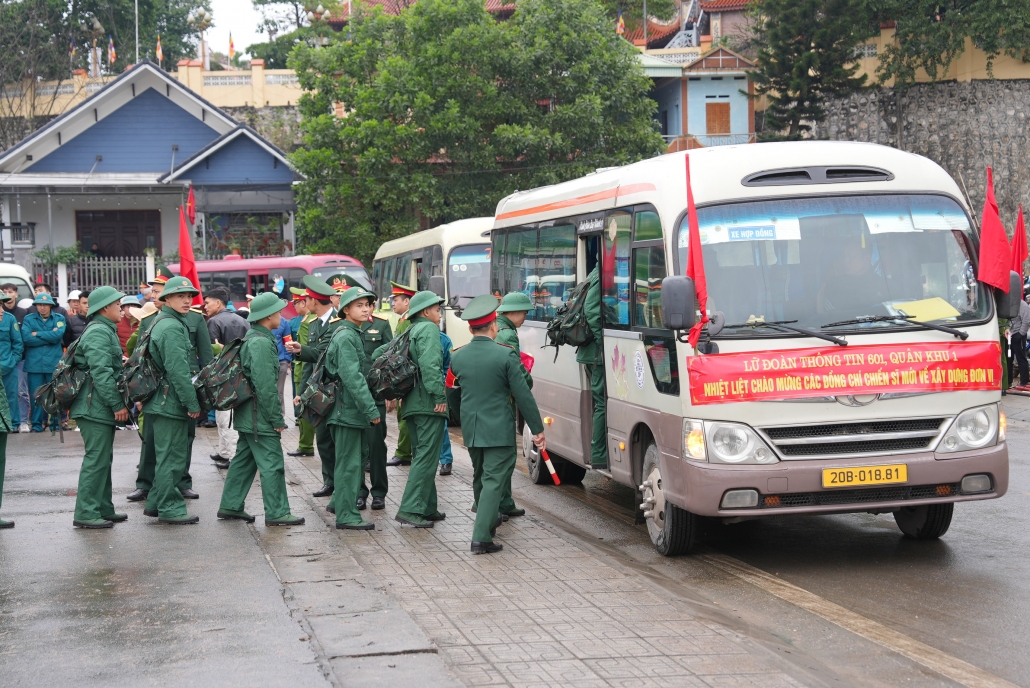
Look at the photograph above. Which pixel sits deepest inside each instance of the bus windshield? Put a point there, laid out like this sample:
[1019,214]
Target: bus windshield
[356,272]
[468,272]
[820,261]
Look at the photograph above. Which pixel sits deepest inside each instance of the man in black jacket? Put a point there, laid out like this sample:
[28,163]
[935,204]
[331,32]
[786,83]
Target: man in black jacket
[77,322]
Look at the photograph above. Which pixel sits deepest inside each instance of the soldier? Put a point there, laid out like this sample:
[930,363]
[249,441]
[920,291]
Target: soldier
[424,408]
[490,374]
[174,408]
[6,427]
[299,326]
[319,301]
[42,332]
[260,423]
[354,410]
[592,357]
[11,349]
[99,408]
[400,302]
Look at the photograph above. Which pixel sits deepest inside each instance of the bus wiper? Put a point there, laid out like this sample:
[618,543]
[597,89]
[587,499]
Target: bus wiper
[900,320]
[785,326]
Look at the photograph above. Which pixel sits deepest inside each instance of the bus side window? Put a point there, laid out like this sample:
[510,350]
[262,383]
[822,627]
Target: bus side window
[555,268]
[377,277]
[615,269]
[648,273]
[237,285]
[296,279]
[436,262]
[258,284]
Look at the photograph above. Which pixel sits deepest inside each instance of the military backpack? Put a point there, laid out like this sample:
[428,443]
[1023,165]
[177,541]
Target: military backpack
[221,384]
[57,396]
[393,374]
[317,399]
[140,380]
[569,324]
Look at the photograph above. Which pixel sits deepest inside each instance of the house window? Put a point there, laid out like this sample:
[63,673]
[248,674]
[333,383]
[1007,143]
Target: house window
[717,118]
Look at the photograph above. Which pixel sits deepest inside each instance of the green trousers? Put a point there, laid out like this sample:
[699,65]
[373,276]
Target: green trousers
[350,472]
[257,453]
[172,442]
[3,463]
[93,500]
[403,437]
[492,468]
[326,452]
[148,458]
[420,493]
[599,440]
[375,451]
[507,503]
[306,443]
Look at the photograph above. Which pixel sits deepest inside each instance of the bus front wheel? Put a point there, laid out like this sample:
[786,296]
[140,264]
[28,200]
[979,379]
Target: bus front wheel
[538,472]
[927,522]
[673,530]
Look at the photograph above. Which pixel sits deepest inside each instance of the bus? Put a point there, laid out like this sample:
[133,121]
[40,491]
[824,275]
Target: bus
[459,250]
[242,276]
[851,362]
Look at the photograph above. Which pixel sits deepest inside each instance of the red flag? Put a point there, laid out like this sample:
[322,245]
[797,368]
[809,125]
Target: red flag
[995,256]
[696,263]
[1018,247]
[187,264]
[191,207]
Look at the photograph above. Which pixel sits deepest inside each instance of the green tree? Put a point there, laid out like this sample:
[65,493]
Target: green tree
[633,10]
[806,56]
[449,110]
[932,33]
[277,51]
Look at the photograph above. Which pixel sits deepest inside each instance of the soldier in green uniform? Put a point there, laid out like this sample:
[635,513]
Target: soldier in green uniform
[354,410]
[318,299]
[425,410]
[260,423]
[98,408]
[400,302]
[592,357]
[490,376]
[300,326]
[6,428]
[174,407]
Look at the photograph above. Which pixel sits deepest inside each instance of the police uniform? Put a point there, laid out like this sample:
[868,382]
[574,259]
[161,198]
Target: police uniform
[300,326]
[258,422]
[100,353]
[11,349]
[490,375]
[353,411]
[402,455]
[168,410]
[42,338]
[320,332]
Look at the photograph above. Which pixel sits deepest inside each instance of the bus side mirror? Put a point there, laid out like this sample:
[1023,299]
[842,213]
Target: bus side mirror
[678,302]
[1008,304]
[436,285]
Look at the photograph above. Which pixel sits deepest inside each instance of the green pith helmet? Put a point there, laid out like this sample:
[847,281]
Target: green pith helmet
[353,294]
[481,310]
[264,305]
[423,300]
[318,286]
[43,299]
[129,300]
[162,275]
[5,297]
[178,285]
[514,302]
[101,297]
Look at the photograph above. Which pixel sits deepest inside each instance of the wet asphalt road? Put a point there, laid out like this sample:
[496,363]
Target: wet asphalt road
[967,594]
[140,604]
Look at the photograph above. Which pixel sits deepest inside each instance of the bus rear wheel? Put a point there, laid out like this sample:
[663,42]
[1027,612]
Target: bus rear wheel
[927,522]
[673,530]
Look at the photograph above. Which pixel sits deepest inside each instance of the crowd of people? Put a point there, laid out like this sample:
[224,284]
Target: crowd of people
[335,329]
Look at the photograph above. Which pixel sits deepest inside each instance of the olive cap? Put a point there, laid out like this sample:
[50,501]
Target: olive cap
[353,294]
[264,305]
[481,310]
[101,297]
[514,302]
[44,299]
[401,290]
[422,300]
[298,294]
[318,286]
[162,275]
[178,285]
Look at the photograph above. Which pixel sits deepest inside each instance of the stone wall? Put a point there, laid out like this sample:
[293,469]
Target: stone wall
[962,126]
[280,125]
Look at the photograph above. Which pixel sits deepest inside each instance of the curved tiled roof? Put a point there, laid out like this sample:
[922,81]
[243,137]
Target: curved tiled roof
[723,5]
[657,34]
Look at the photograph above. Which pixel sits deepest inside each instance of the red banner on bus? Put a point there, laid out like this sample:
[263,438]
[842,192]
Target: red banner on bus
[835,371]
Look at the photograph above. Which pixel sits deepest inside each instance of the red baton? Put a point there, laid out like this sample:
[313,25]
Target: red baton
[550,466]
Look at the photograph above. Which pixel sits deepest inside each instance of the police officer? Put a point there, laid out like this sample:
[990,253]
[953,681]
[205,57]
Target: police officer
[11,349]
[424,408]
[490,375]
[174,408]
[260,423]
[6,427]
[400,302]
[319,300]
[98,408]
[42,332]
[354,410]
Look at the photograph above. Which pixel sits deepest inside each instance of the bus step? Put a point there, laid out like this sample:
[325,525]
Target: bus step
[603,472]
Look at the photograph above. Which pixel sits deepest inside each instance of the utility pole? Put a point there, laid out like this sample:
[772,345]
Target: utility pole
[137,32]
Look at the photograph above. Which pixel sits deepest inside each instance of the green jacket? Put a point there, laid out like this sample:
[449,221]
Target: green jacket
[490,376]
[375,333]
[402,325]
[172,355]
[5,412]
[593,352]
[99,352]
[319,336]
[349,364]
[302,338]
[200,340]
[508,335]
[259,357]
[425,350]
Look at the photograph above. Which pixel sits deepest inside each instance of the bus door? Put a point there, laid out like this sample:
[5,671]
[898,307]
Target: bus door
[592,244]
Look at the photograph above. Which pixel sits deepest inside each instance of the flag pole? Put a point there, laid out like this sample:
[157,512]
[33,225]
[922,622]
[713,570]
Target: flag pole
[137,32]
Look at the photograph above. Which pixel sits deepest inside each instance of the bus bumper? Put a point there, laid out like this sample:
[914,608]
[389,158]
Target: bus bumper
[795,487]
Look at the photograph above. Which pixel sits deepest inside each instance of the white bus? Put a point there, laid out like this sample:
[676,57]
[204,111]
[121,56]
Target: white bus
[853,362]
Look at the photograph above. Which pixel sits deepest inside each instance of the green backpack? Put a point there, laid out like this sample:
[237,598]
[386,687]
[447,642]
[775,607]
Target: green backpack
[569,324]
[140,380]
[221,384]
[57,396]
[318,398]
[393,374]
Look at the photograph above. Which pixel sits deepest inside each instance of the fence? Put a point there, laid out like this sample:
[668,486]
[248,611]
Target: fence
[124,273]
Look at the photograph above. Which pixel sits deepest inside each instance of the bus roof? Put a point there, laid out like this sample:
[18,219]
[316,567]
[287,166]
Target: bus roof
[474,230]
[719,174]
[264,263]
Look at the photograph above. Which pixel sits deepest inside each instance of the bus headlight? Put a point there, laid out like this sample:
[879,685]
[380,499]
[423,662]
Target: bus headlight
[974,428]
[694,440]
[736,443]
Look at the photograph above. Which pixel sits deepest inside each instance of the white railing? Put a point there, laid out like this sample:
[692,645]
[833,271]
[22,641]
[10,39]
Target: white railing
[237,80]
[55,89]
[124,273]
[710,140]
[281,79]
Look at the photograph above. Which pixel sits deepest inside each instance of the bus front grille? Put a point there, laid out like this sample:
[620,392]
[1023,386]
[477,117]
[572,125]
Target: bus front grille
[894,493]
[855,439]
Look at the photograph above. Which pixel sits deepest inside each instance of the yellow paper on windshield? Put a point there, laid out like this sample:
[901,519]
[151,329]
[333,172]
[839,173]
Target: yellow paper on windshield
[927,310]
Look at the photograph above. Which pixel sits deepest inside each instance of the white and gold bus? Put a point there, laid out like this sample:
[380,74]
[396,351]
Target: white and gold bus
[853,362]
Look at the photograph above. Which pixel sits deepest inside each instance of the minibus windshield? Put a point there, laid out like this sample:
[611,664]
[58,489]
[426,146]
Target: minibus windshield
[468,272]
[820,261]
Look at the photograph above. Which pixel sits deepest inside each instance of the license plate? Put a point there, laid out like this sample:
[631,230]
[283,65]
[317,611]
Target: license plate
[865,475]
